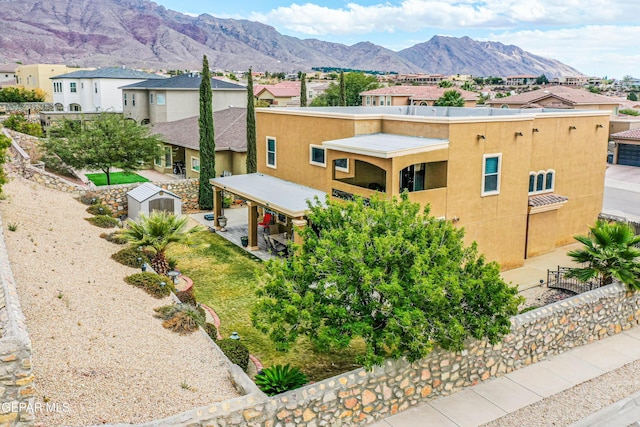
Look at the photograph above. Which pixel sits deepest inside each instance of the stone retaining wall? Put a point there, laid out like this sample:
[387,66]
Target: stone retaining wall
[25,107]
[359,397]
[16,379]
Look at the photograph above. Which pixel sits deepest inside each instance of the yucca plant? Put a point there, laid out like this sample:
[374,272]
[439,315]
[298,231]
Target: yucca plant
[278,379]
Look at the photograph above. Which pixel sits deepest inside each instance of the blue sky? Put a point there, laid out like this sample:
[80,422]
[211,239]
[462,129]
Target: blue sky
[598,37]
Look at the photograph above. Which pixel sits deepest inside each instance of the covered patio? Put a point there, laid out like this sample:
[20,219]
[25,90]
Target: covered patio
[284,200]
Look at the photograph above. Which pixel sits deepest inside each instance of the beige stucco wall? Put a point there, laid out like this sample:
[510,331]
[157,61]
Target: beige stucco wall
[37,76]
[497,222]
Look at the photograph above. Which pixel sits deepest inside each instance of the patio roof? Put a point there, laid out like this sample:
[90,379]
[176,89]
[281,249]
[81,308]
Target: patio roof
[385,145]
[283,196]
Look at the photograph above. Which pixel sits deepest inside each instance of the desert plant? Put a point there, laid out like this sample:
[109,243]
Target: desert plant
[181,318]
[237,352]
[153,284]
[131,257]
[90,198]
[103,221]
[186,297]
[211,330]
[278,379]
[113,237]
[100,209]
[13,226]
[157,232]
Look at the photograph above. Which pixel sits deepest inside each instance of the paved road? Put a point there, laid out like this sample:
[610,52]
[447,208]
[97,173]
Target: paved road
[622,192]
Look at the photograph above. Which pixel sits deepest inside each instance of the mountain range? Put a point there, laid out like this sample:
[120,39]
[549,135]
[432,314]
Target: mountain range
[142,34]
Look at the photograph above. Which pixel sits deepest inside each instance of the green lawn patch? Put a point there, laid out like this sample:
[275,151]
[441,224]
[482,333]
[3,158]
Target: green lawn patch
[226,278]
[116,178]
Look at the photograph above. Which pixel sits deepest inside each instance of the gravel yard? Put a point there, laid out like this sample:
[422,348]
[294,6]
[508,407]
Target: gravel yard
[97,349]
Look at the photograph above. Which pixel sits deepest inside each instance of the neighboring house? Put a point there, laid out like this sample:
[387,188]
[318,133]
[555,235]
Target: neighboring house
[283,94]
[571,80]
[558,97]
[177,98]
[8,74]
[627,147]
[423,79]
[622,123]
[520,182]
[412,95]
[181,154]
[523,80]
[38,76]
[94,90]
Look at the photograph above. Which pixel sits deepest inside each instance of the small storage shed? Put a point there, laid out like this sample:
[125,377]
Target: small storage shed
[147,198]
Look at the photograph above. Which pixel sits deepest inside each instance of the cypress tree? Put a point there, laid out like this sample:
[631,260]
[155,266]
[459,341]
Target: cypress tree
[207,142]
[303,90]
[252,161]
[343,90]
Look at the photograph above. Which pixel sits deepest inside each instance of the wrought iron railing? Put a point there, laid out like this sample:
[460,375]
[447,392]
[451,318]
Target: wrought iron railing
[558,279]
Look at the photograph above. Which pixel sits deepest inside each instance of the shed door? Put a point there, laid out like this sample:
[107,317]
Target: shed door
[163,204]
[629,155]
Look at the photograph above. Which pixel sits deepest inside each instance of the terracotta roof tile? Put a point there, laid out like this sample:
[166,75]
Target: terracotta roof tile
[546,199]
[570,95]
[419,92]
[627,134]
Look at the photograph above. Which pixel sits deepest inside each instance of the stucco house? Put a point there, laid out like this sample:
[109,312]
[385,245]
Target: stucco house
[627,147]
[38,76]
[8,74]
[521,182]
[412,95]
[177,98]
[181,154]
[558,97]
[95,90]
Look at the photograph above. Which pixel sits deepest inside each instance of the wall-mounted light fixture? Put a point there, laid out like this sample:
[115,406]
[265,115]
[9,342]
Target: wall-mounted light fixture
[572,127]
[481,137]
[535,130]
[518,133]
[599,126]
[455,219]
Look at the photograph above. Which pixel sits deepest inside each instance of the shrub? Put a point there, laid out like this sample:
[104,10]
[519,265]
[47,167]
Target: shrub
[19,123]
[211,330]
[181,318]
[629,112]
[151,283]
[186,297]
[237,352]
[103,221]
[114,238]
[100,209]
[90,198]
[172,262]
[131,257]
[278,379]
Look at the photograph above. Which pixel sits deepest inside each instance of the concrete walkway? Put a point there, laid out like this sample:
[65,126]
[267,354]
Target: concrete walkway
[494,398]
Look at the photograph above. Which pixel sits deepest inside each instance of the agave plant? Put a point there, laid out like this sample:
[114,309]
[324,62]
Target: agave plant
[278,379]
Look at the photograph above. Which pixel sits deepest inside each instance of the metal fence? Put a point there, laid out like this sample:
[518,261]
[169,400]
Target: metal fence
[558,279]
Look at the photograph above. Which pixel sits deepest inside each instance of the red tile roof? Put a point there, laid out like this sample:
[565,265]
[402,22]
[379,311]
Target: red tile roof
[285,89]
[563,93]
[627,134]
[419,92]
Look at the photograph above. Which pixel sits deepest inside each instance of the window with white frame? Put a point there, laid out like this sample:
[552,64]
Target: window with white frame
[541,181]
[271,152]
[72,87]
[341,165]
[125,99]
[150,98]
[160,99]
[195,164]
[317,155]
[491,164]
[57,87]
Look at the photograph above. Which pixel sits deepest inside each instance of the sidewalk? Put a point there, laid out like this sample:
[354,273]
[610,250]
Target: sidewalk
[494,398]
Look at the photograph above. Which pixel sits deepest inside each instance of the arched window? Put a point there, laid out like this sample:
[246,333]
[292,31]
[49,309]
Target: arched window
[541,181]
[532,182]
[145,122]
[75,107]
[424,103]
[59,107]
[504,106]
[548,184]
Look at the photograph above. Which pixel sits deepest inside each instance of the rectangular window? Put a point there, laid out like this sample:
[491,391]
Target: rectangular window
[167,157]
[271,152]
[158,159]
[95,87]
[491,174]
[150,98]
[133,99]
[317,156]
[342,165]
[125,99]
[72,87]
[160,99]
[57,87]
[195,164]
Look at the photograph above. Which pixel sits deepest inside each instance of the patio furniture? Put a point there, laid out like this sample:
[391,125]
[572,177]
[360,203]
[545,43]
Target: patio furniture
[274,247]
[266,221]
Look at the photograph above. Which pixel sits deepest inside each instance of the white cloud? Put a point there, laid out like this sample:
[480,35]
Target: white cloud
[594,50]
[416,15]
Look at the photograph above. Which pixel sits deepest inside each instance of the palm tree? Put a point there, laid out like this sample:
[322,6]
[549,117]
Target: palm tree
[156,233]
[610,252]
[450,98]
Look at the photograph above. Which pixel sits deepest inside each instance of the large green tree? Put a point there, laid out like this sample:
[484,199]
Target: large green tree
[252,159]
[610,252]
[387,272]
[107,142]
[354,84]
[343,90]
[207,139]
[303,89]
[450,98]
[156,233]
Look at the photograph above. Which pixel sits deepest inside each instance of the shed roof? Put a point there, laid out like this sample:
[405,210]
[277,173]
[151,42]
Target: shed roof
[385,145]
[275,193]
[147,190]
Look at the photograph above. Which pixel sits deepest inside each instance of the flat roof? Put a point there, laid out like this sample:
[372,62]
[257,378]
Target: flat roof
[386,145]
[274,193]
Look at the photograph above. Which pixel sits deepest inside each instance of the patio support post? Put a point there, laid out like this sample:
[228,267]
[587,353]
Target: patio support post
[298,224]
[252,226]
[217,205]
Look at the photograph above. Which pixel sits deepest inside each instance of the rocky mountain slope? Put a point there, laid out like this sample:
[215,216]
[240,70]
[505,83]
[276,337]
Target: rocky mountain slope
[139,33]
